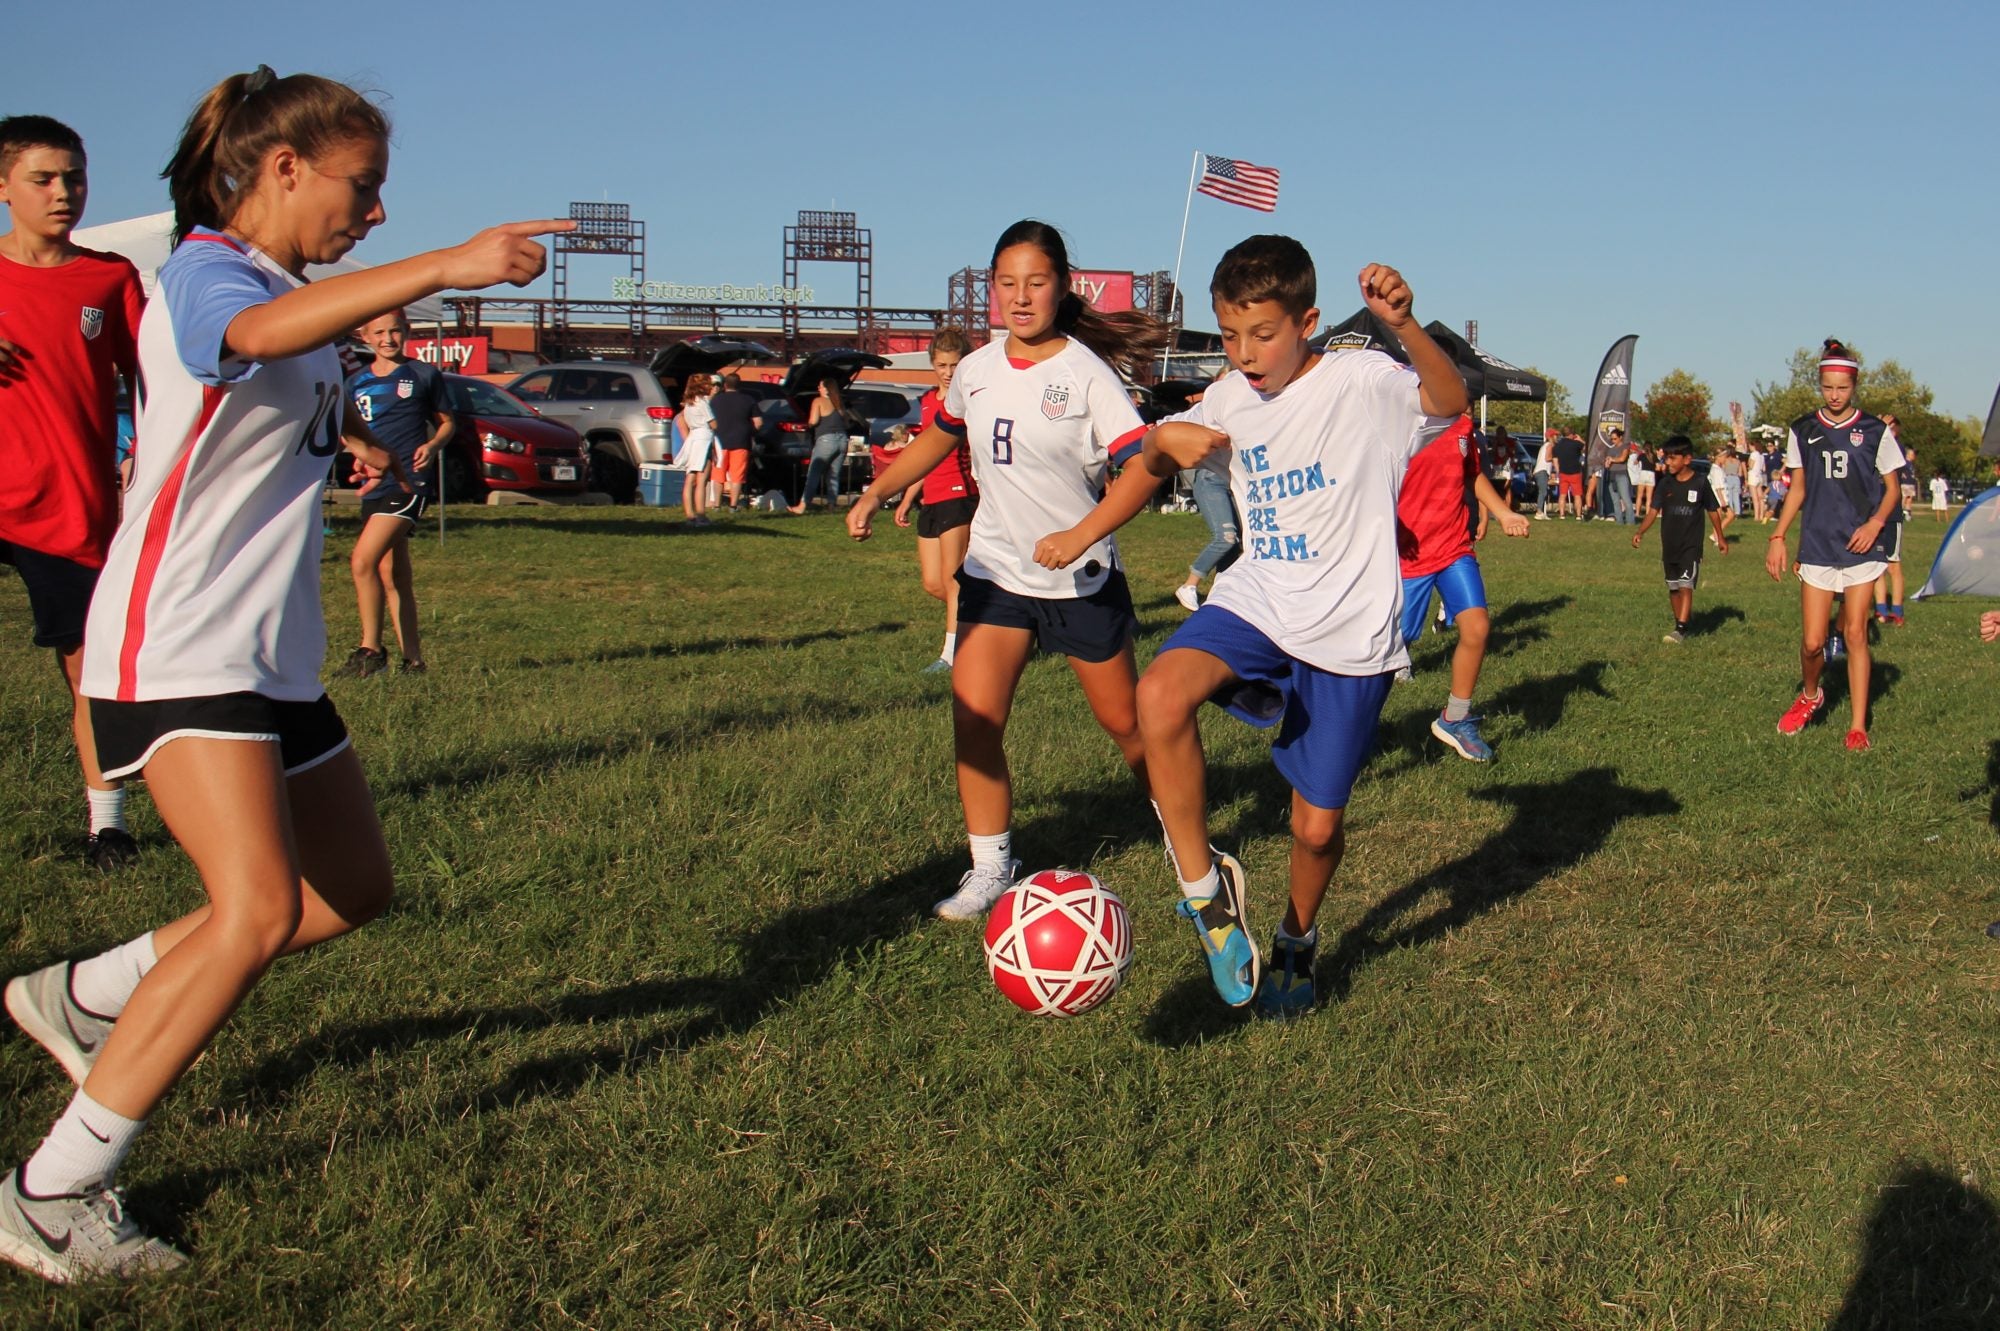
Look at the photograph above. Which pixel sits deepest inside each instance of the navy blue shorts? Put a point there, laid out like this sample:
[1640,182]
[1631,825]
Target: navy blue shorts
[58,594]
[1458,581]
[1326,722]
[1090,628]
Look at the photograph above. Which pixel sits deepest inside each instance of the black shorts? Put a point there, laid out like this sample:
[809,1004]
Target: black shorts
[394,503]
[1683,575]
[934,520]
[129,733]
[58,594]
[1090,628]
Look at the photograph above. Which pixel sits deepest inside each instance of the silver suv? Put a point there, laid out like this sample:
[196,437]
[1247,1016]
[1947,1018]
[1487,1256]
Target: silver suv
[620,409]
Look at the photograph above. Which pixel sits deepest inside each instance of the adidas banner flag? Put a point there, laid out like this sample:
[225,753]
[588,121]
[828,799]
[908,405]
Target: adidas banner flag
[1989,442]
[1611,395]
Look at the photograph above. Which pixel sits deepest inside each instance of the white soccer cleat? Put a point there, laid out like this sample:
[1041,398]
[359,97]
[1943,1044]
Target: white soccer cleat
[977,891]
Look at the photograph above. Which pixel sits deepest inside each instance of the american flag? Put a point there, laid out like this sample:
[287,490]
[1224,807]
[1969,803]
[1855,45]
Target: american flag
[1239,182]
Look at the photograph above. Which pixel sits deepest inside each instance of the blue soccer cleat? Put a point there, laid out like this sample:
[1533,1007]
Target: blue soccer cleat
[1225,937]
[1463,737]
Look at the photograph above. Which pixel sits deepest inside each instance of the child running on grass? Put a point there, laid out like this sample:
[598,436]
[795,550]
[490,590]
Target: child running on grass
[1303,631]
[1045,417]
[1680,496]
[1842,463]
[69,323]
[206,631]
[1434,543]
[949,498]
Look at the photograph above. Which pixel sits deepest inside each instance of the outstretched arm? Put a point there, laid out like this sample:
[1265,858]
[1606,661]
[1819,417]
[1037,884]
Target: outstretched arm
[1489,499]
[911,465]
[1127,495]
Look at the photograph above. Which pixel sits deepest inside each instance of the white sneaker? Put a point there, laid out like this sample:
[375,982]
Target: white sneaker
[1185,594]
[1403,675]
[977,891]
[40,1004]
[86,1236]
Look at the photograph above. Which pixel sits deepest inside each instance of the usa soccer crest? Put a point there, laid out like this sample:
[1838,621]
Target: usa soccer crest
[404,388]
[1857,438]
[1055,401]
[92,323]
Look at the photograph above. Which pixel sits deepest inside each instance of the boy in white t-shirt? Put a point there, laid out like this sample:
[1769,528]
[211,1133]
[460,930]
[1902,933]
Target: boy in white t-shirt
[1304,629]
[1940,496]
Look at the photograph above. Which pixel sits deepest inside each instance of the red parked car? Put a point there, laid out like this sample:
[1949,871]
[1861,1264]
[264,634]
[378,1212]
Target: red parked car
[517,448]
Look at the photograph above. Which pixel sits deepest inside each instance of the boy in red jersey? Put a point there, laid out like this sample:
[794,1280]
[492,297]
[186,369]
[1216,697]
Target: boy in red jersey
[1434,546]
[69,319]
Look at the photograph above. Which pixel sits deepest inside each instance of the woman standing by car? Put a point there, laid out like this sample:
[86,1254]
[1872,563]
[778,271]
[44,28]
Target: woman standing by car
[828,423]
[1640,464]
[698,425]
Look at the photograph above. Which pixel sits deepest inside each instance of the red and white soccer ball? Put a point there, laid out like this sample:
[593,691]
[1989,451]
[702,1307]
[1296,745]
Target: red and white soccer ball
[1057,943]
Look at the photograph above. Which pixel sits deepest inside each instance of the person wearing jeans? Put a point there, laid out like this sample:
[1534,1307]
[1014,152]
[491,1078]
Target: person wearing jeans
[1618,478]
[1213,501]
[829,427]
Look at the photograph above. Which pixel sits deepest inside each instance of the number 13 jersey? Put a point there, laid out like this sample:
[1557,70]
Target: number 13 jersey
[1844,465]
[1042,436]
[212,582]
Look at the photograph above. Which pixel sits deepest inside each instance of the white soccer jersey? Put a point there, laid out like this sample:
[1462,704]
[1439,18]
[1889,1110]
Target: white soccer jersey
[1316,469]
[1042,436]
[212,582]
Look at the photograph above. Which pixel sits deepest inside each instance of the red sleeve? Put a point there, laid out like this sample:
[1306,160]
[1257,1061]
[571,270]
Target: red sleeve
[126,356]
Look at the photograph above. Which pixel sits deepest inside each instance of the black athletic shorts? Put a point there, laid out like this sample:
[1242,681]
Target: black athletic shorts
[129,733]
[1090,628]
[395,504]
[58,594]
[1683,575]
[934,520]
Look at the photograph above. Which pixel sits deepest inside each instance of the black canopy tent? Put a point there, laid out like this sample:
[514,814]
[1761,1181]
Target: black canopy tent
[1486,376]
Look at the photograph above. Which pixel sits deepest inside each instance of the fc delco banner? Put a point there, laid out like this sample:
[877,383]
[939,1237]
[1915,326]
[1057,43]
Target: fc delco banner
[1611,396]
[1105,292]
[462,355]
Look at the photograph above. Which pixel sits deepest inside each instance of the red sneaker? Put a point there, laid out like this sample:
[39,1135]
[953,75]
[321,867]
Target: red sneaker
[1800,714]
[1857,741]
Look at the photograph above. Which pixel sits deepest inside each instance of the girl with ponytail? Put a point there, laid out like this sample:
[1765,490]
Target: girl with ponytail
[206,635]
[1045,418]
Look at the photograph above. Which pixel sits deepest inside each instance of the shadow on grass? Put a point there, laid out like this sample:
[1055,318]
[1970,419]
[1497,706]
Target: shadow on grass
[1556,825]
[723,530]
[1713,618]
[1990,792]
[706,647]
[1512,628]
[1539,703]
[1930,1258]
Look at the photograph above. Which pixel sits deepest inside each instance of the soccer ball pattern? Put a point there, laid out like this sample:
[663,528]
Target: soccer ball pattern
[1057,943]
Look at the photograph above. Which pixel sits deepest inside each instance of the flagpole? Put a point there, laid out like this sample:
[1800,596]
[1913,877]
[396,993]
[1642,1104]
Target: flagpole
[1194,168]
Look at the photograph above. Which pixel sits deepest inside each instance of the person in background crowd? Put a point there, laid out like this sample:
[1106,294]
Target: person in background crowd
[736,423]
[1940,496]
[405,405]
[949,497]
[1683,498]
[828,422]
[1889,587]
[1757,476]
[1639,469]
[1618,477]
[697,456]
[1545,464]
[69,323]
[1209,483]
[1732,480]
[1569,456]
[1595,455]
[1718,481]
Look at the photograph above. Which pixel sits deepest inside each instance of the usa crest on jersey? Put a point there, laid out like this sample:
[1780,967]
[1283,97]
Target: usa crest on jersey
[1055,401]
[404,388]
[92,322]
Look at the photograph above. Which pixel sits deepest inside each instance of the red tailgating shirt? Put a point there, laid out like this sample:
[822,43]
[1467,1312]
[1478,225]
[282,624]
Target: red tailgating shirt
[77,326]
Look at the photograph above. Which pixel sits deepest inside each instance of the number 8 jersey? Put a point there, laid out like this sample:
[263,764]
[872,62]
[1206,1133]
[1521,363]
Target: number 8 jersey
[1042,436]
[212,582]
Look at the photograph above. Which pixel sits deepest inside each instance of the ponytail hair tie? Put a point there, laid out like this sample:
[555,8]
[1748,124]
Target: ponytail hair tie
[258,80]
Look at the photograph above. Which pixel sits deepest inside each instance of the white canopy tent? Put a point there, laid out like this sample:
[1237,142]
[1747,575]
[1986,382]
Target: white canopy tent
[147,241]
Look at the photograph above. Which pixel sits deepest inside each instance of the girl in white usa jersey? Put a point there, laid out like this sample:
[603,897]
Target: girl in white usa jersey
[1044,419]
[206,677]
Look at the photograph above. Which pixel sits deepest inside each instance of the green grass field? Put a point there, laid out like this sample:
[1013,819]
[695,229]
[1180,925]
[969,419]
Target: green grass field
[1658,1021]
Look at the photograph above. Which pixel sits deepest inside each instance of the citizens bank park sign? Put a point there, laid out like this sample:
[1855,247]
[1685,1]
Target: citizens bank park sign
[722,293]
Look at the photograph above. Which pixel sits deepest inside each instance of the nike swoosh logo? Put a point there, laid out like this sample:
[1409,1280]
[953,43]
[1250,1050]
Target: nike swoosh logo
[975,392]
[56,1243]
[87,1046]
[94,1132]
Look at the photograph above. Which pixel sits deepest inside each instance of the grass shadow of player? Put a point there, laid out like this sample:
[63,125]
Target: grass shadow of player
[1539,704]
[1989,792]
[1556,825]
[1930,1258]
[706,647]
[1713,617]
[1883,677]
[767,968]
[1510,629]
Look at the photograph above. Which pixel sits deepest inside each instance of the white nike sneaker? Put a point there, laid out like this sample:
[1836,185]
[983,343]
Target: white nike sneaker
[977,891]
[77,1236]
[1190,599]
[40,1004]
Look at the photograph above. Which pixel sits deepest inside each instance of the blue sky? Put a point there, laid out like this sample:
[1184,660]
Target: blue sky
[1730,181]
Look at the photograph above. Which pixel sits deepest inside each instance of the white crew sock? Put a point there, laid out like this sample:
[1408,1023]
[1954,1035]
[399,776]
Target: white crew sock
[82,1151]
[1456,708]
[1309,939]
[107,808]
[950,648]
[103,985]
[992,852]
[1203,888]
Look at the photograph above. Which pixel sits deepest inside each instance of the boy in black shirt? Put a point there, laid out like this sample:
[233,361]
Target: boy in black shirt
[1680,497]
